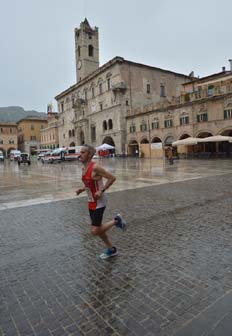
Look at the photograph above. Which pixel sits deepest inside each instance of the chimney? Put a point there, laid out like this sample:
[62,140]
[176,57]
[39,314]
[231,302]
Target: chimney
[230,60]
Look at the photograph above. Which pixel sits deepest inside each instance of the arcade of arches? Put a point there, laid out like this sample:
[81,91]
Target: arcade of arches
[157,148]
[145,149]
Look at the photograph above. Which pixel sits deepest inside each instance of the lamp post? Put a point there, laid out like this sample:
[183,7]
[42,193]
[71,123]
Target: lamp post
[149,135]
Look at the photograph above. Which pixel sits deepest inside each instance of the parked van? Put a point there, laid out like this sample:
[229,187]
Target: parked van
[72,153]
[1,156]
[58,155]
[14,154]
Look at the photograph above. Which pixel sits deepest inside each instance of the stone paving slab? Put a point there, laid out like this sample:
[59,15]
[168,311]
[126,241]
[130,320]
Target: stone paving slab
[215,321]
[174,263]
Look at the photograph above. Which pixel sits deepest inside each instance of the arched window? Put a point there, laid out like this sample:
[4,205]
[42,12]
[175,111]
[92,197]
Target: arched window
[73,132]
[79,51]
[104,125]
[70,133]
[110,124]
[90,47]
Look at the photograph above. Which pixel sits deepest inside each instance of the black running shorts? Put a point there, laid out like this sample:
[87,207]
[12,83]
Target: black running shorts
[96,216]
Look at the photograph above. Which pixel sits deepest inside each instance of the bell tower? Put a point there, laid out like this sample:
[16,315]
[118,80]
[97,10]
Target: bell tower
[86,50]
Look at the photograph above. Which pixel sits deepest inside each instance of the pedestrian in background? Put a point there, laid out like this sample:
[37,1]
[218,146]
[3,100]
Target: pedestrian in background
[92,177]
[170,155]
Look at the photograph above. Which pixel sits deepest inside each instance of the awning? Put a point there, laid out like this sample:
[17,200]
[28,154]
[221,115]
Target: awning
[186,142]
[216,138]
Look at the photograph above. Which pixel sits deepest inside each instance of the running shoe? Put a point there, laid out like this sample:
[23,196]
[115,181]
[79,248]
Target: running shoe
[109,252]
[120,223]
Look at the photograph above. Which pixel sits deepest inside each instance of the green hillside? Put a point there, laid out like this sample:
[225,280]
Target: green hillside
[16,113]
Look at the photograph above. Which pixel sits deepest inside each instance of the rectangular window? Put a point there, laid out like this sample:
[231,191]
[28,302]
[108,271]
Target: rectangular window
[32,127]
[33,138]
[92,92]
[210,90]
[228,114]
[93,133]
[202,117]
[184,120]
[162,90]
[108,84]
[62,107]
[155,124]
[132,129]
[1,130]
[85,94]
[148,88]
[101,106]
[11,131]
[143,127]
[100,88]
[168,123]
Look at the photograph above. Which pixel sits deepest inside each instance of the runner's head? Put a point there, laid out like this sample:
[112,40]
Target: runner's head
[87,152]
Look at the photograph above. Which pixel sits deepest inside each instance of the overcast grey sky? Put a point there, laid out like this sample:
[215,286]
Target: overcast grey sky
[37,41]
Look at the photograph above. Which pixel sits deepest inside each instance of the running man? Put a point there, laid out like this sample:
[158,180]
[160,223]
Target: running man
[92,177]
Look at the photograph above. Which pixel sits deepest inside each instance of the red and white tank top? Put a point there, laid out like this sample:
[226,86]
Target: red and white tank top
[91,187]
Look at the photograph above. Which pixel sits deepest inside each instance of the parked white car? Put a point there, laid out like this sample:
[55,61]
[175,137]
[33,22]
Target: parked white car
[1,156]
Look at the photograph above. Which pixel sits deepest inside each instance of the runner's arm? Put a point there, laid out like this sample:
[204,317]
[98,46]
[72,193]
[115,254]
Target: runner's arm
[110,178]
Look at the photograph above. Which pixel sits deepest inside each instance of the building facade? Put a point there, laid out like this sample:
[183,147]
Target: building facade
[29,133]
[95,109]
[8,137]
[137,108]
[49,135]
[203,109]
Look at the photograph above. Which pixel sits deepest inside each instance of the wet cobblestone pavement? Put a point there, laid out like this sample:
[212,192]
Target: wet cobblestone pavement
[174,263]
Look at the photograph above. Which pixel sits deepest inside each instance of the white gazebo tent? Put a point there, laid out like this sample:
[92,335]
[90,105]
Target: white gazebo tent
[104,147]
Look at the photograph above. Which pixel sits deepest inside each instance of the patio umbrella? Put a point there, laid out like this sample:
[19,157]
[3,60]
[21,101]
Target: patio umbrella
[187,142]
[104,147]
[216,138]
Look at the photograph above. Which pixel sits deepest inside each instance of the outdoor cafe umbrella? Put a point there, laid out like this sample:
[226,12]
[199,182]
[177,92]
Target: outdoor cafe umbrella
[104,147]
[187,142]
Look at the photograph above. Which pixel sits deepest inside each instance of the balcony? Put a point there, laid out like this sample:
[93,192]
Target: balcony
[78,103]
[119,87]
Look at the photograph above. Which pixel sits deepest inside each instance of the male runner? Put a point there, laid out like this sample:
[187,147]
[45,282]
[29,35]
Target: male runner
[92,177]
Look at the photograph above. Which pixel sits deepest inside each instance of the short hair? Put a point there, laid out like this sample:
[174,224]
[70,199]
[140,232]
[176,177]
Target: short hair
[90,149]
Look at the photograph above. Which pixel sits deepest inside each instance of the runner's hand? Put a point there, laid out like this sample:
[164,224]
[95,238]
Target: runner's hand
[98,194]
[79,191]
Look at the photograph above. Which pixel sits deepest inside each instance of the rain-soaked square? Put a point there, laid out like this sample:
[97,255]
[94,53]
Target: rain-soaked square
[173,270]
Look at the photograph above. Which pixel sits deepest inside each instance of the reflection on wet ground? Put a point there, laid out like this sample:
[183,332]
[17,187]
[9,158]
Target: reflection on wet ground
[42,183]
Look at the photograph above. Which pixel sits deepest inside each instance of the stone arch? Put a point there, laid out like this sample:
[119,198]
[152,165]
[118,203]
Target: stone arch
[206,147]
[204,134]
[109,141]
[168,140]
[225,147]
[227,131]
[184,136]
[133,148]
[156,140]
[144,141]
[72,144]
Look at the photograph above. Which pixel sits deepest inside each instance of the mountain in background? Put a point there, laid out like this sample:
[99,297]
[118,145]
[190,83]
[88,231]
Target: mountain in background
[16,113]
